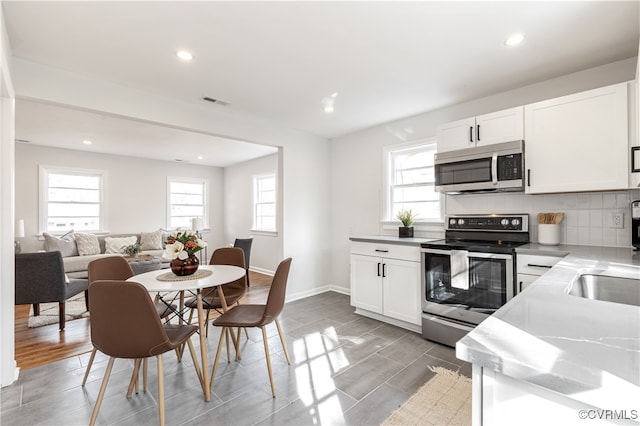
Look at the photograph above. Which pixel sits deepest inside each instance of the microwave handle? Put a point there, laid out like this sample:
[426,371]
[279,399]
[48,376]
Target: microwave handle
[494,168]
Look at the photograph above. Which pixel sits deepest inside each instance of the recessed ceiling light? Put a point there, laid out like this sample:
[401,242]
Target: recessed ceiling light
[87,142]
[200,157]
[328,102]
[514,39]
[184,55]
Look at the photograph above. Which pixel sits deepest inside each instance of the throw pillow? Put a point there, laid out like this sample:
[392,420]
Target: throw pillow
[65,244]
[151,240]
[116,244]
[88,244]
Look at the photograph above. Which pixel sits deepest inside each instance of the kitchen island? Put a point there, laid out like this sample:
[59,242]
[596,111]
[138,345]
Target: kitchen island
[551,357]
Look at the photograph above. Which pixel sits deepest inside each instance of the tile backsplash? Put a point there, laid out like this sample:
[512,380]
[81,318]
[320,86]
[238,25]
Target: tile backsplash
[587,214]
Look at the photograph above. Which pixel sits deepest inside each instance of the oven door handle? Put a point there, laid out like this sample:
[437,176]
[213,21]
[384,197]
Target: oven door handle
[490,255]
[436,251]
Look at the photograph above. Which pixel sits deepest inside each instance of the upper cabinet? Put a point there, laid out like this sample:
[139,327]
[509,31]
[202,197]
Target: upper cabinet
[578,142]
[496,127]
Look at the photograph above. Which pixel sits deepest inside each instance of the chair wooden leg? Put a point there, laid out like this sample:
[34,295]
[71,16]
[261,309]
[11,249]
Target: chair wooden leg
[133,383]
[284,344]
[144,374]
[160,389]
[226,330]
[86,373]
[103,387]
[268,358]
[196,364]
[36,309]
[215,362]
[237,343]
[86,299]
[61,315]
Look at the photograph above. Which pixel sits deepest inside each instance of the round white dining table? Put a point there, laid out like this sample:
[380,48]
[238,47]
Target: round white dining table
[220,275]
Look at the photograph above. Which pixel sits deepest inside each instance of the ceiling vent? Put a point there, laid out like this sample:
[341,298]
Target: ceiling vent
[215,101]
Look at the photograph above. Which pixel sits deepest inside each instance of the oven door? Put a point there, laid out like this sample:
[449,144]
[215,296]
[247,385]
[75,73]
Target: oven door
[465,286]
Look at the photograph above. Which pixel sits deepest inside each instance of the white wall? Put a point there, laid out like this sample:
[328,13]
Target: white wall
[356,160]
[135,190]
[8,366]
[266,250]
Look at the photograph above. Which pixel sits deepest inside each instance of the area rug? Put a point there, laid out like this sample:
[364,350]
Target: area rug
[74,308]
[443,400]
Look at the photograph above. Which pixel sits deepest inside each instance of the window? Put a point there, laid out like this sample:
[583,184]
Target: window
[187,200]
[70,199]
[264,202]
[410,182]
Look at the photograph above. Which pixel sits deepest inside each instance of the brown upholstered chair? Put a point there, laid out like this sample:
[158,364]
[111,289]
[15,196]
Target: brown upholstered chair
[233,292]
[117,268]
[133,332]
[258,316]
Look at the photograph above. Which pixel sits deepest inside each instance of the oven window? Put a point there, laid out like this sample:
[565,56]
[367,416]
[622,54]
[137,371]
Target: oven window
[471,171]
[486,290]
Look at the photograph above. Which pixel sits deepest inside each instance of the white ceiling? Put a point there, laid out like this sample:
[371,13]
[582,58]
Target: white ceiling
[278,60]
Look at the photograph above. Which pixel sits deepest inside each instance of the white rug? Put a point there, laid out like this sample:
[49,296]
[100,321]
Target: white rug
[443,400]
[74,308]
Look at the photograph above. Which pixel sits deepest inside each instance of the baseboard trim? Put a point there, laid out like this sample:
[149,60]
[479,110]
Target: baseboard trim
[315,291]
[262,271]
[392,321]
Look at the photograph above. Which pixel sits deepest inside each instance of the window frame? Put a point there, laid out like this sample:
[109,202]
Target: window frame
[254,228]
[205,199]
[43,196]
[388,222]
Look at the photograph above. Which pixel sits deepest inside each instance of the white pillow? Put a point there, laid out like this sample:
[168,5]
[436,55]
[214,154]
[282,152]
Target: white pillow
[115,245]
[151,240]
[88,244]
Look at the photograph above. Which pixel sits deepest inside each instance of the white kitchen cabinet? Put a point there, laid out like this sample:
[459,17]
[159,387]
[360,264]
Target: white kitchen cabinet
[385,280]
[530,267]
[578,142]
[496,127]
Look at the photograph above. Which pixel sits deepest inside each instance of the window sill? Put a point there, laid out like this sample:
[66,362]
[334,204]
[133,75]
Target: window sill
[418,226]
[263,232]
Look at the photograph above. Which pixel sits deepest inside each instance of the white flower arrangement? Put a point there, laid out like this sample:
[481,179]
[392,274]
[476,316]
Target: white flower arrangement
[182,244]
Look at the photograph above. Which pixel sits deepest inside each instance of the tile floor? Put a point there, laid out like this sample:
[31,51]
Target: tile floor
[346,370]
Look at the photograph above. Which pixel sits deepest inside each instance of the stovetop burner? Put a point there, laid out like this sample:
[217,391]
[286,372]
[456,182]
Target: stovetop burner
[483,233]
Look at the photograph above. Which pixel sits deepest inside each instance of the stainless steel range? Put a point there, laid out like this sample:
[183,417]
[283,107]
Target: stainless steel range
[470,274]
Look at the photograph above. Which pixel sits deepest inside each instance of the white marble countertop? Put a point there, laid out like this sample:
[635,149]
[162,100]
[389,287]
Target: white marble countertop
[586,350]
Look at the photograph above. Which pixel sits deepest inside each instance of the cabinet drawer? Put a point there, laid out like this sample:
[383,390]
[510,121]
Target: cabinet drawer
[393,251]
[534,264]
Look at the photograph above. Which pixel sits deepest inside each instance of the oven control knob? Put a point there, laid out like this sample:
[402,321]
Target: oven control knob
[504,222]
[460,221]
[515,222]
[452,221]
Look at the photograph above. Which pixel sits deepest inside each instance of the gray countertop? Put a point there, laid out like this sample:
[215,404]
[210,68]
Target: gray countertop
[392,240]
[586,350]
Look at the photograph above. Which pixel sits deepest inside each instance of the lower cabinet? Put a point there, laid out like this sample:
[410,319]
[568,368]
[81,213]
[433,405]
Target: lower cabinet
[385,280]
[532,266]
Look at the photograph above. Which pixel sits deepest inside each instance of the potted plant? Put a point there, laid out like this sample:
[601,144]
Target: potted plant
[407,217]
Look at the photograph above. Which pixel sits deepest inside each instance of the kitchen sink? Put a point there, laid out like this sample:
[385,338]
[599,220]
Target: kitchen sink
[608,289]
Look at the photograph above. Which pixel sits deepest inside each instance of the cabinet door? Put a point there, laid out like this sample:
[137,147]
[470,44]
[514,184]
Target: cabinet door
[401,290]
[366,282]
[502,126]
[524,280]
[578,142]
[456,135]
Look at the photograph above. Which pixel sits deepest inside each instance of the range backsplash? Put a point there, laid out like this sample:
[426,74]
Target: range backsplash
[586,219]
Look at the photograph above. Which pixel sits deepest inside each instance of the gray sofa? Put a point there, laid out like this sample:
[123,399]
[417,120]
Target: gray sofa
[76,266]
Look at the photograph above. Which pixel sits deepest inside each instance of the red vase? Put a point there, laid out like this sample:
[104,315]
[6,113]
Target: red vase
[185,267]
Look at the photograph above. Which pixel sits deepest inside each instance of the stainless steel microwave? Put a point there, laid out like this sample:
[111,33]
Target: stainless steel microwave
[486,168]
